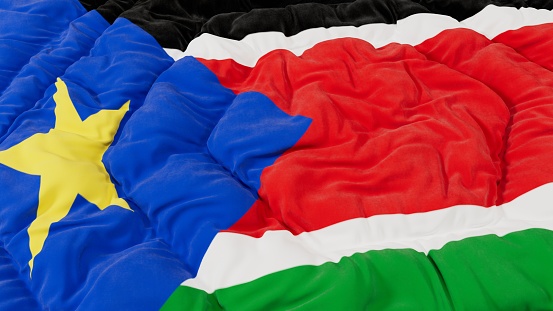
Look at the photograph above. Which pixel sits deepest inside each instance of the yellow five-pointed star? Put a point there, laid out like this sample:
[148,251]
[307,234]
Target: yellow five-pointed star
[68,160]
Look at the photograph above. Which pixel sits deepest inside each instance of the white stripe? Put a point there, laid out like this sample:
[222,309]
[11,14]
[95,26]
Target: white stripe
[412,30]
[234,259]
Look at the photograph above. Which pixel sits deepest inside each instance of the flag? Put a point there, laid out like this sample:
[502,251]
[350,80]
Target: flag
[74,241]
[408,190]
[362,155]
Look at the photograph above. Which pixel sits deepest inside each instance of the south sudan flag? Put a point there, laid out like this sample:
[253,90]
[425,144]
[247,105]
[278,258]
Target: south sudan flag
[276,155]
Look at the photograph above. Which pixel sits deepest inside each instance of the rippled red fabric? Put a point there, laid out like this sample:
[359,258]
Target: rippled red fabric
[463,122]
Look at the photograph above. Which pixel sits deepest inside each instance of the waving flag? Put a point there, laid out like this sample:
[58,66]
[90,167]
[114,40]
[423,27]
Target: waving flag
[363,155]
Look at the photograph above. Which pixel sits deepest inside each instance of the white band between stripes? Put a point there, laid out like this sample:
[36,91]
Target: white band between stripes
[413,30]
[234,259]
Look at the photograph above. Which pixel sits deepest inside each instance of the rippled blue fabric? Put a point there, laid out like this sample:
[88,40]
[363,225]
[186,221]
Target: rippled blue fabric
[186,173]
[91,258]
[27,26]
[30,83]
[14,293]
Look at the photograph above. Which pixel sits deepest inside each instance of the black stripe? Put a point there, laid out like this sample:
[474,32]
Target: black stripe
[175,23]
[294,19]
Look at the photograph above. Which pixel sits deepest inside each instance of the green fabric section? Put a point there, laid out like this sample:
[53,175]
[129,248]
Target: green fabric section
[514,272]
[492,273]
[384,280]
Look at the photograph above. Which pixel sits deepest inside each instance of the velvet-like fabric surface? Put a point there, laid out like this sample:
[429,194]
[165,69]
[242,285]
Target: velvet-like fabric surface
[276,155]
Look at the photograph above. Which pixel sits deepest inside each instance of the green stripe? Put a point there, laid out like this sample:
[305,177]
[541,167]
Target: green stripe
[492,273]
[514,272]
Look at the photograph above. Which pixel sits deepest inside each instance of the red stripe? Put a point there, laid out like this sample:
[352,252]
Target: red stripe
[525,85]
[399,129]
[529,41]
